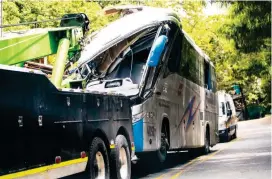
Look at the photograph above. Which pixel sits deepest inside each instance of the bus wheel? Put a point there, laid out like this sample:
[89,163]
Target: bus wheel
[121,158]
[98,160]
[206,148]
[162,152]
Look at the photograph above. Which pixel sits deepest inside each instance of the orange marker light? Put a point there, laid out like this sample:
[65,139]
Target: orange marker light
[83,154]
[57,159]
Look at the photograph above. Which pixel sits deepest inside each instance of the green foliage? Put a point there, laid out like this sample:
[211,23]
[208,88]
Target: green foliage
[11,13]
[251,25]
[19,11]
[105,3]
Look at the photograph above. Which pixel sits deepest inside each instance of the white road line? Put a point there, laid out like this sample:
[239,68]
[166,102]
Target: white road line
[256,129]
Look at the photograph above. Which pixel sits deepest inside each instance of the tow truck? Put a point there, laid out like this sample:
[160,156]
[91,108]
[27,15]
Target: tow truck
[52,126]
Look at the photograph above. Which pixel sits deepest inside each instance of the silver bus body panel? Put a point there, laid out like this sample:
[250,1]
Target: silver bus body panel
[187,124]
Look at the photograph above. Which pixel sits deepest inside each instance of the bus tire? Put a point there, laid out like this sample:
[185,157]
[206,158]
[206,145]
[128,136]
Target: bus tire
[206,148]
[121,158]
[98,160]
[162,152]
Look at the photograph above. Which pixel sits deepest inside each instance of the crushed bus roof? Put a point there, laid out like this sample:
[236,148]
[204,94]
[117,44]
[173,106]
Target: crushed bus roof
[123,28]
[128,25]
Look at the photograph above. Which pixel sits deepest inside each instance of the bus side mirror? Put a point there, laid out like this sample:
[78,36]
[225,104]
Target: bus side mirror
[156,51]
[153,60]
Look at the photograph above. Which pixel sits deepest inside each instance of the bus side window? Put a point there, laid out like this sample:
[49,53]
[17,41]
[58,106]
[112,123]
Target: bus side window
[207,75]
[192,61]
[201,70]
[175,54]
[184,69]
[213,79]
[189,63]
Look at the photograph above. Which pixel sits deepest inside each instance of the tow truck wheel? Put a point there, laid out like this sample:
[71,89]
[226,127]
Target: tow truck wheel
[121,158]
[99,160]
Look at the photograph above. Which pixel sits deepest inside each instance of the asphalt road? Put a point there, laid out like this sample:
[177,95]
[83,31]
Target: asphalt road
[247,157]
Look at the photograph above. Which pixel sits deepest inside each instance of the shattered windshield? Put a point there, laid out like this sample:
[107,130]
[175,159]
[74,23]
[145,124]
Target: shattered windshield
[124,61]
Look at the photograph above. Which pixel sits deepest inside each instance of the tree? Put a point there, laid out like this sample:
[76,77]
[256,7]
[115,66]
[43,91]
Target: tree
[250,28]
[19,11]
[251,25]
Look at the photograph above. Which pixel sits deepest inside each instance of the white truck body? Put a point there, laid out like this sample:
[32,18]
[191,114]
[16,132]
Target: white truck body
[227,119]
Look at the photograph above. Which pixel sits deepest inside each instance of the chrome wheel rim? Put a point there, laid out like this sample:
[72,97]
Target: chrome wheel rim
[100,165]
[123,163]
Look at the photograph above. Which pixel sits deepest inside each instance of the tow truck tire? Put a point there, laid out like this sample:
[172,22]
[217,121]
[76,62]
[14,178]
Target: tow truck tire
[98,160]
[121,158]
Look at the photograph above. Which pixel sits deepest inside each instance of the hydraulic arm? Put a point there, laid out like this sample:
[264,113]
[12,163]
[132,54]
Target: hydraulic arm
[63,41]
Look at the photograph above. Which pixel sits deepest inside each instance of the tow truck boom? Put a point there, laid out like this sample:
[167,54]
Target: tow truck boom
[64,41]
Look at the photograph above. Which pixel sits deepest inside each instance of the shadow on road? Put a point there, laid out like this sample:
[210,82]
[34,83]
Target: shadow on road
[144,168]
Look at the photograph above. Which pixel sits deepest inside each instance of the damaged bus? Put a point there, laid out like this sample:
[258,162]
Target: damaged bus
[173,98]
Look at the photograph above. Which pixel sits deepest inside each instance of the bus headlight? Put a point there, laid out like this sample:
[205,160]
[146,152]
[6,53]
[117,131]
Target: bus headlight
[147,115]
[150,114]
[138,117]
